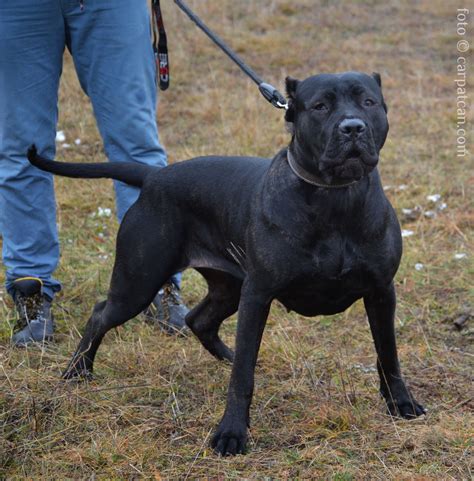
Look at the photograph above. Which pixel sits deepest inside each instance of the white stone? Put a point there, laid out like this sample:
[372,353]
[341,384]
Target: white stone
[60,137]
[434,197]
[104,212]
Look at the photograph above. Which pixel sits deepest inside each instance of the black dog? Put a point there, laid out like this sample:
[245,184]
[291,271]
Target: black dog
[311,228]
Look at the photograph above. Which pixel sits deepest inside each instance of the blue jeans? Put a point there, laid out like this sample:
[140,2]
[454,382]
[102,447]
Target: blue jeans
[110,44]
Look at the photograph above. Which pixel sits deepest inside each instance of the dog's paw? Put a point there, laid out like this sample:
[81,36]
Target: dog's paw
[77,376]
[218,349]
[406,407]
[410,409]
[230,438]
[225,354]
[77,371]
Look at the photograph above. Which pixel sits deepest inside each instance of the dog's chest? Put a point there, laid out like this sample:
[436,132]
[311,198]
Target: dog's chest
[335,259]
[335,273]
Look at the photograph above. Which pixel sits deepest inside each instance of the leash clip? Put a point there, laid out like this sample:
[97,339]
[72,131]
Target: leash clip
[273,96]
[281,106]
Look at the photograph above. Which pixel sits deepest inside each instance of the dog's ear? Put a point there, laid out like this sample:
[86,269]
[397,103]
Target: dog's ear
[291,86]
[378,79]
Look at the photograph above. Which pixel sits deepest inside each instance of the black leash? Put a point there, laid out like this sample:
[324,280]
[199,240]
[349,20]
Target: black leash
[267,90]
[160,46]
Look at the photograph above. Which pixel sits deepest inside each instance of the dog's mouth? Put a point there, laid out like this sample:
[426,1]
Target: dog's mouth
[353,161]
[352,168]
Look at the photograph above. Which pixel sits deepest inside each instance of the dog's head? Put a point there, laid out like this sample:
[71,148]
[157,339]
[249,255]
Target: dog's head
[339,124]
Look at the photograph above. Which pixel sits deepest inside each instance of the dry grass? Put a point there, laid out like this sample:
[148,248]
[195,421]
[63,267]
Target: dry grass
[316,412]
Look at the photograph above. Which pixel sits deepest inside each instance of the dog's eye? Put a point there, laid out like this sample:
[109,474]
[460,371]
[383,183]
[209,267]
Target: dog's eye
[320,106]
[369,102]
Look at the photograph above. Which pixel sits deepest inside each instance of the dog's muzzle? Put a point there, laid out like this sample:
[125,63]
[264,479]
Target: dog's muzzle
[351,152]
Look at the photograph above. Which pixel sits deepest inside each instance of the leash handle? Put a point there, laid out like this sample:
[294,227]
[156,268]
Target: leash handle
[267,90]
[160,47]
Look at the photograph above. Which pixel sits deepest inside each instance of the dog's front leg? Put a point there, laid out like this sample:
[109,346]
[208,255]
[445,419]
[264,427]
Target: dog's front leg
[380,307]
[230,436]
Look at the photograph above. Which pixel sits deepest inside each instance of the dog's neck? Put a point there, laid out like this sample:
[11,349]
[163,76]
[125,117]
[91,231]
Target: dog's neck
[305,175]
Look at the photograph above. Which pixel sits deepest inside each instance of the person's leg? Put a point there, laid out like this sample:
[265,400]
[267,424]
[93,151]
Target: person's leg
[31,48]
[111,46]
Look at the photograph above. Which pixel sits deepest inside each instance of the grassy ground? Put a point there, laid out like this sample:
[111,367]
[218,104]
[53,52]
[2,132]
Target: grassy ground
[316,412]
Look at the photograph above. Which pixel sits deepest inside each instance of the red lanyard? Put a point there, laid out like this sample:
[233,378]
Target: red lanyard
[160,47]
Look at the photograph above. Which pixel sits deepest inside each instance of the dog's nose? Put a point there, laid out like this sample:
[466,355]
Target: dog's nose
[352,127]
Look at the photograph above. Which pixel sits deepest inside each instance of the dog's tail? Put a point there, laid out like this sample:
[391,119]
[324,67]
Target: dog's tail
[132,173]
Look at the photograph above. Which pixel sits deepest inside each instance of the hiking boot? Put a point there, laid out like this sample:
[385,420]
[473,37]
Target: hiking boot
[167,311]
[35,320]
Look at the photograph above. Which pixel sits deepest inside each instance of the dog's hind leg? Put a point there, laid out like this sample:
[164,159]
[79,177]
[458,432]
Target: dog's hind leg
[145,259]
[221,301]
